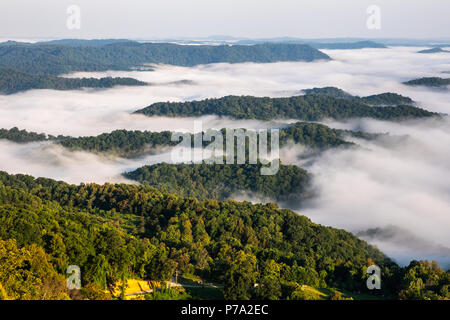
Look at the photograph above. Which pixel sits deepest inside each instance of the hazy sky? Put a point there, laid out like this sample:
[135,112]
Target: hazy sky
[147,19]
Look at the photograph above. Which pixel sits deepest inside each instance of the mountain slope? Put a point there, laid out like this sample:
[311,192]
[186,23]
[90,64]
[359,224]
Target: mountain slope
[433,50]
[120,231]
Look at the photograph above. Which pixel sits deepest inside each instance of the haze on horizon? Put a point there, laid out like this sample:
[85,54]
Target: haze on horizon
[159,19]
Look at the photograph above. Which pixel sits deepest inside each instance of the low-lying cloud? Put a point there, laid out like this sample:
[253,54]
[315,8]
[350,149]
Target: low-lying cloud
[45,159]
[401,181]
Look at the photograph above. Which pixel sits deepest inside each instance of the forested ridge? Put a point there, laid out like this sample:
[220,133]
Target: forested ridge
[429,82]
[12,81]
[54,59]
[120,142]
[179,218]
[118,231]
[222,181]
[387,98]
[310,107]
[129,143]
[319,44]
[22,136]
[202,180]
[433,50]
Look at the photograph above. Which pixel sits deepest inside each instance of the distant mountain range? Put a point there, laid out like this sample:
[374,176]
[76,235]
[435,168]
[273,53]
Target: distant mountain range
[317,104]
[326,45]
[224,39]
[433,50]
[435,82]
[64,56]
[204,180]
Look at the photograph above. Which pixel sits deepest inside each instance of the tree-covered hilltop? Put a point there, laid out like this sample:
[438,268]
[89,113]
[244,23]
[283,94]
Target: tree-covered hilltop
[429,82]
[387,98]
[120,142]
[82,42]
[312,107]
[57,58]
[134,143]
[424,280]
[329,91]
[314,135]
[27,271]
[115,232]
[12,81]
[21,136]
[131,144]
[222,181]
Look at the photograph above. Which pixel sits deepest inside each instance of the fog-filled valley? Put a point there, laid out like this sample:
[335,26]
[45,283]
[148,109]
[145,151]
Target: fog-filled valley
[398,180]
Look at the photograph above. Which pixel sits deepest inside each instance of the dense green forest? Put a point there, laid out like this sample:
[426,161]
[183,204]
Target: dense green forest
[130,144]
[133,143]
[387,98]
[53,59]
[204,180]
[429,82]
[12,81]
[318,44]
[221,181]
[311,107]
[114,232]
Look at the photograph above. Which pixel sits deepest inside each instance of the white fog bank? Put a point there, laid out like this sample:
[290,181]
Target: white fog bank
[401,181]
[91,112]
